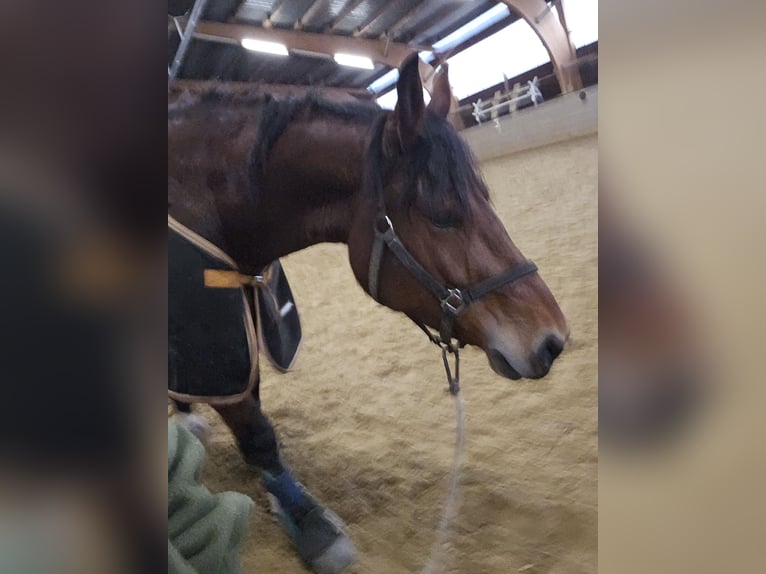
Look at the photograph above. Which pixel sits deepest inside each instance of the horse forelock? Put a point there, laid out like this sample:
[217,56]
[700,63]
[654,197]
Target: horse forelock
[439,171]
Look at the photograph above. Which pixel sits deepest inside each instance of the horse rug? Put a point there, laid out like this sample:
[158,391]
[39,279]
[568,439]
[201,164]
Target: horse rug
[217,317]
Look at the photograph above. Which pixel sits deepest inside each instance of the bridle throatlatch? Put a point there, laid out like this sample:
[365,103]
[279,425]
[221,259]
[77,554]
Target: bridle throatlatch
[452,299]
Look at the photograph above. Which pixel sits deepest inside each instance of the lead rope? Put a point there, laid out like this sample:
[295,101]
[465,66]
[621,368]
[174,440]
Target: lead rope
[440,547]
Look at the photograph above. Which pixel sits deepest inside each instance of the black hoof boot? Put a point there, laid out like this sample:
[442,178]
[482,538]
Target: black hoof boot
[317,532]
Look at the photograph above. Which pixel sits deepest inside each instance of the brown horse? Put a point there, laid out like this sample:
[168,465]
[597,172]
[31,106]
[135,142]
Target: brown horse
[262,177]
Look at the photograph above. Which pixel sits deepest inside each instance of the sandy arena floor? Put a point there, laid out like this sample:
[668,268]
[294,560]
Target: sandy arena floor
[367,425]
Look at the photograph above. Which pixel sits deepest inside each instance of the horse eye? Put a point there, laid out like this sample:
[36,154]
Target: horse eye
[446,223]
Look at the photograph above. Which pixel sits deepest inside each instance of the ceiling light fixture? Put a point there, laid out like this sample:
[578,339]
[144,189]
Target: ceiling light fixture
[354,61]
[265,47]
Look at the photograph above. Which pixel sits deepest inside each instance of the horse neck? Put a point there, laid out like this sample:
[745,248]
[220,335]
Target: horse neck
[310,183]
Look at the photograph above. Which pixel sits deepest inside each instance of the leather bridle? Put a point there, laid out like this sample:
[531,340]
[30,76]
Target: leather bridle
[453,300]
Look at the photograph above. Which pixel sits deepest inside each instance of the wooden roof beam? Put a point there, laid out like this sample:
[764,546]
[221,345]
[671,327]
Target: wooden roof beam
[410,16]
[372,18]
[555,37]
[275,7]
[316,7]
[388,53]
[349,7]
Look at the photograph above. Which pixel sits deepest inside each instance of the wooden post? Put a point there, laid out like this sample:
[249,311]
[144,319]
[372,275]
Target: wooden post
[515,93]
[495,101]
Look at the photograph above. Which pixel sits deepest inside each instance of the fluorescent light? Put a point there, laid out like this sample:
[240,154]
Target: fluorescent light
[265,47]
[474,27]
[354,61]
[386,80]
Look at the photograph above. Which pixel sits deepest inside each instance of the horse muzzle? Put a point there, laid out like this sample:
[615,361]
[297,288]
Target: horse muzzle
[536,366]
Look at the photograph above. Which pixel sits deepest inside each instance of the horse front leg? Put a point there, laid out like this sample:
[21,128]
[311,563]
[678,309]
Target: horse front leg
[254,433]
[317,532]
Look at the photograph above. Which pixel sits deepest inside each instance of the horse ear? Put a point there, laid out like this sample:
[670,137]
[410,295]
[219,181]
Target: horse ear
[410,106]
[441,96]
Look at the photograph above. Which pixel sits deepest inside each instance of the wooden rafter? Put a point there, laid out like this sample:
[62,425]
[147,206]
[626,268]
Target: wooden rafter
[388,53]
[364,26]
[316,7]
[415,12]
[275,7]
[563,18]
[347,9]
[555,38]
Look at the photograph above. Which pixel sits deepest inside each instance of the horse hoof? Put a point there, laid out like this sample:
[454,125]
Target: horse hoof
[319,538]
[336,558]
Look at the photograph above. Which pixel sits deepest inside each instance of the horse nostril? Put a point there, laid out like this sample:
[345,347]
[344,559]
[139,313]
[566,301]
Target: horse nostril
[554,345]
[548,351]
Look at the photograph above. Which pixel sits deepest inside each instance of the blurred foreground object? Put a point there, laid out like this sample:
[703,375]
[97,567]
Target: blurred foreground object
[82,334]
[76,341]
[650,369]
[685,162]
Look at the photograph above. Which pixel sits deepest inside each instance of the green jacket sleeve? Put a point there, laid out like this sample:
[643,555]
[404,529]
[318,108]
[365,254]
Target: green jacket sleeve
[205,530]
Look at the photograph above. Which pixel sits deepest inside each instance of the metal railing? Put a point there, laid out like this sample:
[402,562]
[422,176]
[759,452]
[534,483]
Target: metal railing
[507,100]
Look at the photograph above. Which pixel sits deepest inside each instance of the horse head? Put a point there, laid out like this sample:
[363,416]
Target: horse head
[422,181]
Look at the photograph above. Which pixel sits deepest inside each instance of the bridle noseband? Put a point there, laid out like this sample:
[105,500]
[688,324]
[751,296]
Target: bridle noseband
[452,299]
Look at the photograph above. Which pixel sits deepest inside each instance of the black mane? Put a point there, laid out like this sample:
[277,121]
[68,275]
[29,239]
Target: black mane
[277,114]
[274,113]
[438,170]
